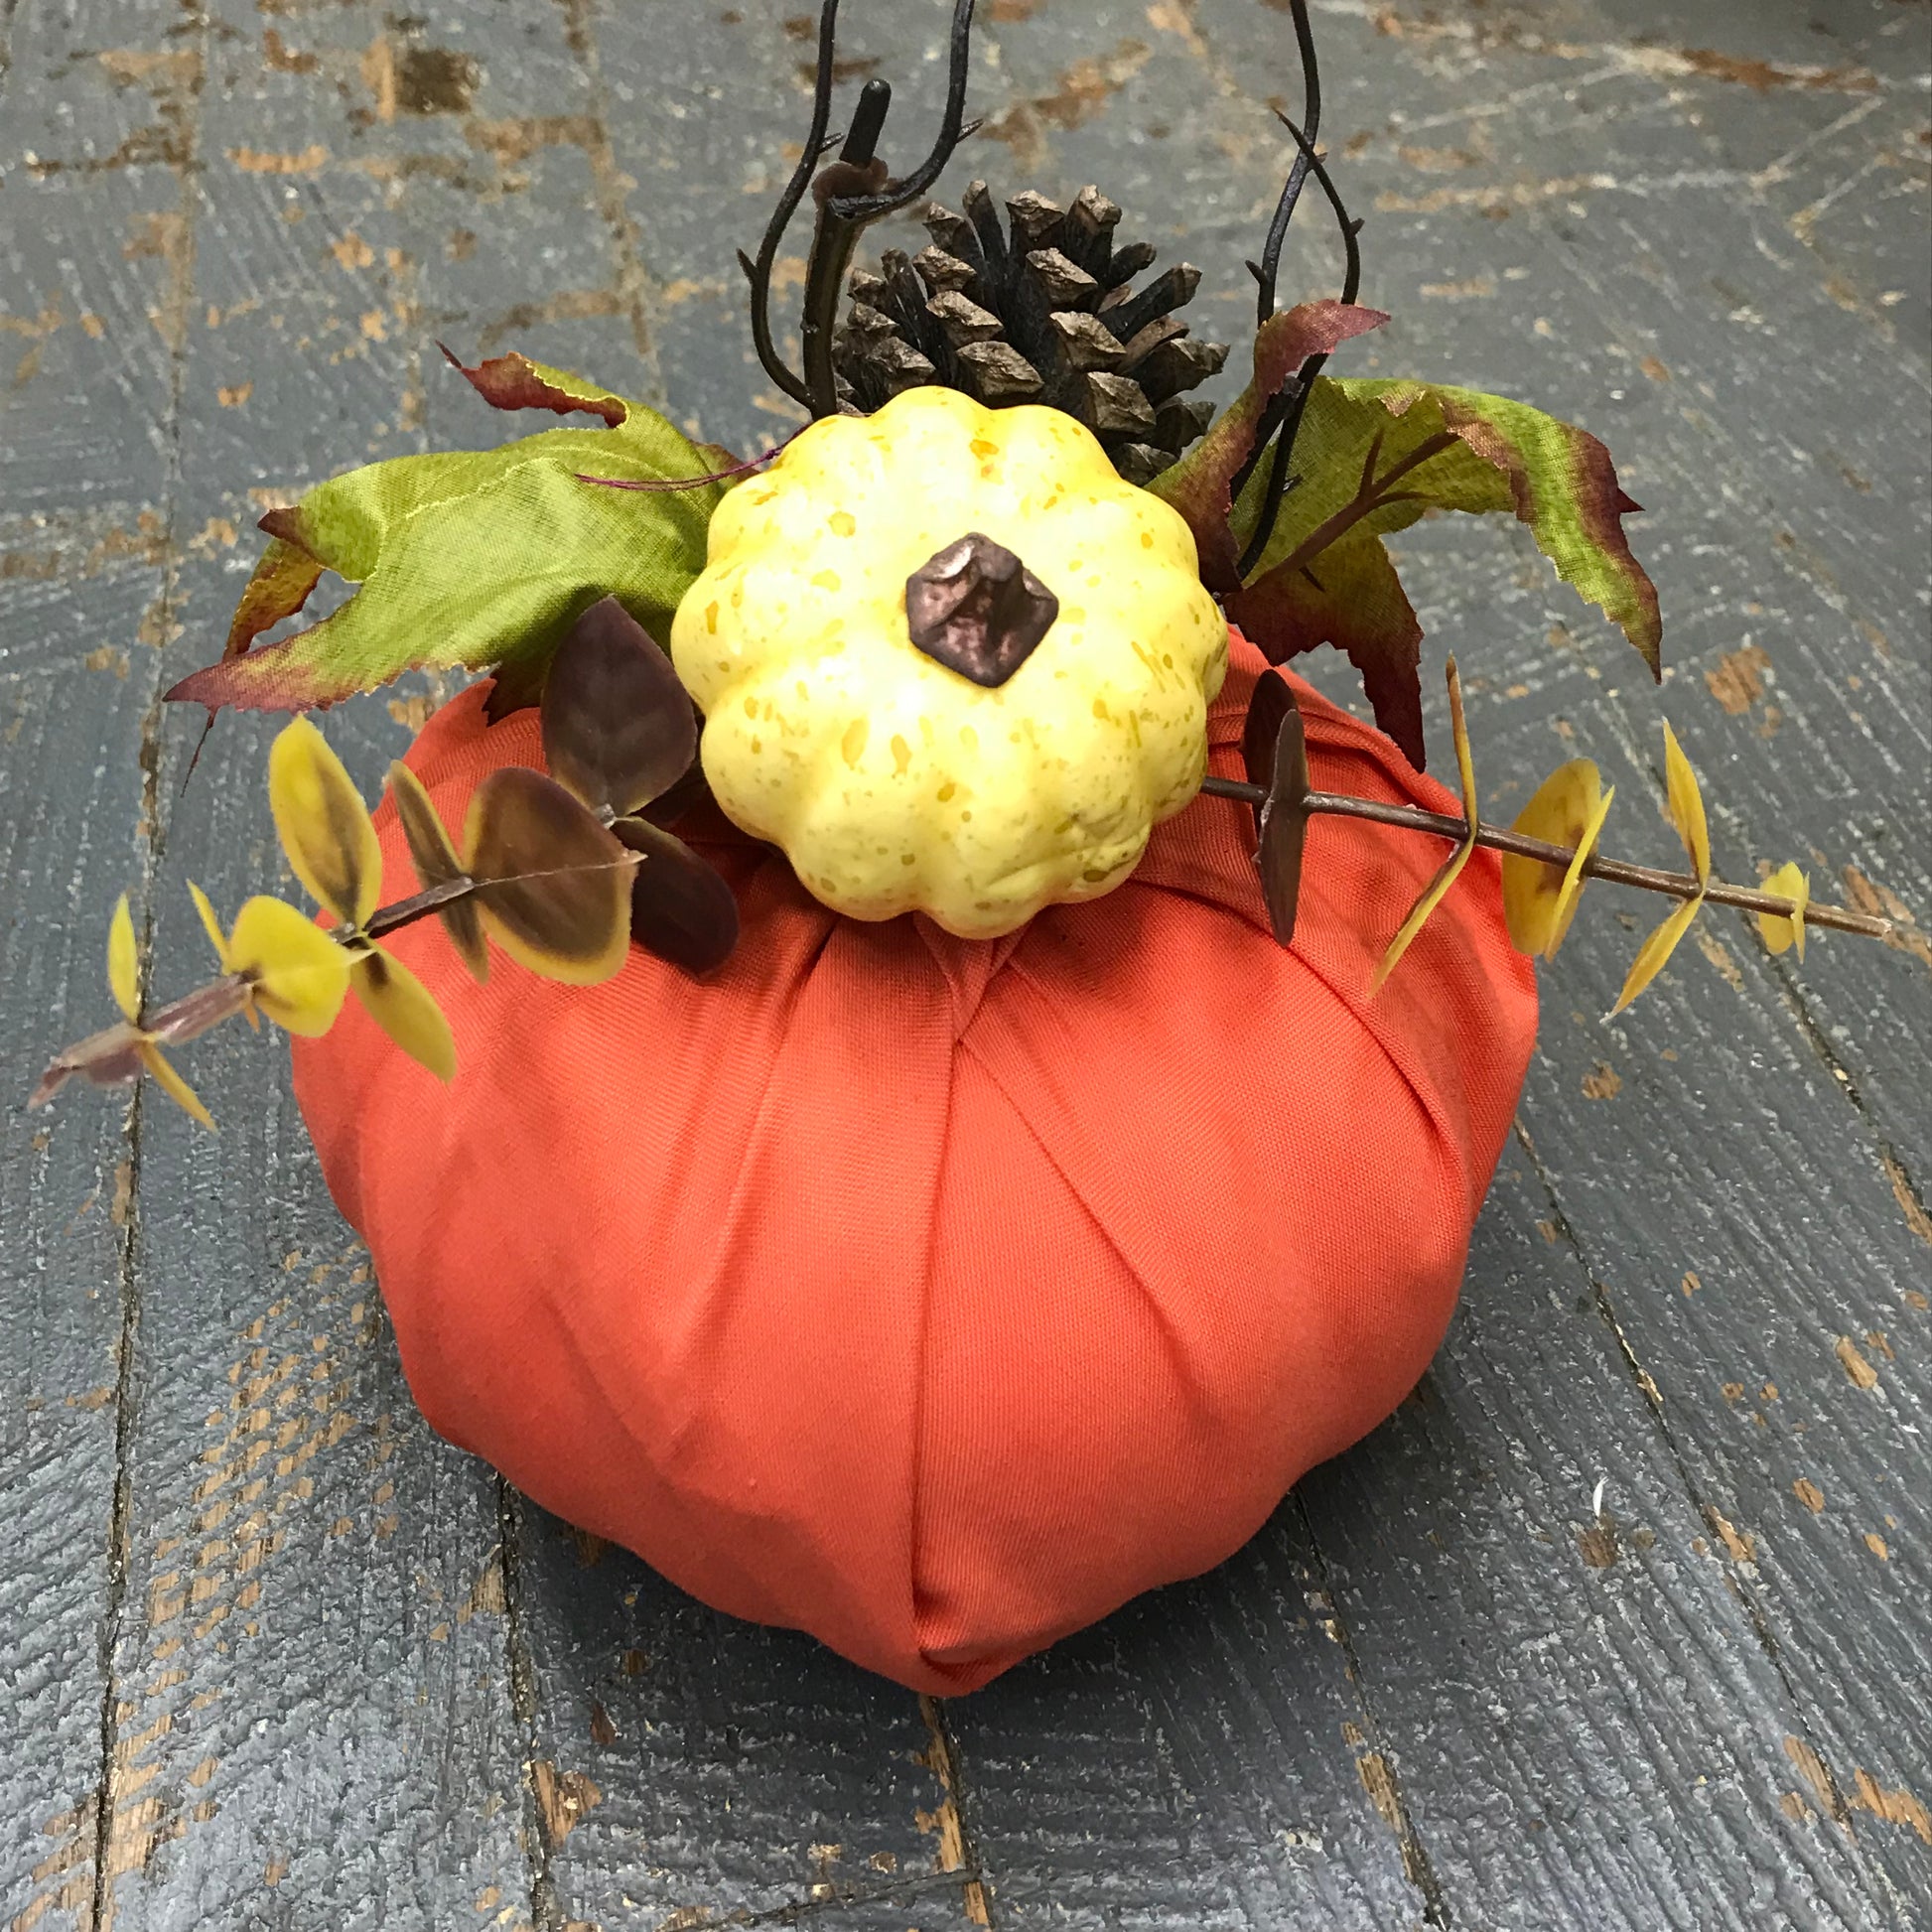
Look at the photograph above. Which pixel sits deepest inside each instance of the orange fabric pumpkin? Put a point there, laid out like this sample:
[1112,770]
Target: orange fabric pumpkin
[937,1295]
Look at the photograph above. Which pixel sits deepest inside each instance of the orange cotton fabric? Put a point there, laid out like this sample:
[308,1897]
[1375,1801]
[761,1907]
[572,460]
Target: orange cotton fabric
[929,1295]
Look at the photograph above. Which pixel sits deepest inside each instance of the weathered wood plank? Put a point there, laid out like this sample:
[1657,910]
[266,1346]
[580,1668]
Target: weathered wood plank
[67,844]
[310,1715]
[82,553]
[1733,1169]
[1208,1757]
[693,1765]
[1470,1801]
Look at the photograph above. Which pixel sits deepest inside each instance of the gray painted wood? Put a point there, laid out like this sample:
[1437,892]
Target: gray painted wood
[1436,1688]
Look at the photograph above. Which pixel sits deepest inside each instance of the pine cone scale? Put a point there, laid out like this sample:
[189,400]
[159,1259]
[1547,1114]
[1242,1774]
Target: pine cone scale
[1037,307]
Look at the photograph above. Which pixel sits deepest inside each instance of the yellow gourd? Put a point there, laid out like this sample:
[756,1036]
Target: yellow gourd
[893,782]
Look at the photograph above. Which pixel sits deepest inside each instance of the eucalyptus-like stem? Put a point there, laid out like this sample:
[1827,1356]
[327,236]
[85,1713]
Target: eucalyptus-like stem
[1649,879]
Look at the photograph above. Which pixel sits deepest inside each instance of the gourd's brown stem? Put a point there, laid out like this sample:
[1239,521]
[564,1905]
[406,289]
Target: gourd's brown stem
[1650,878]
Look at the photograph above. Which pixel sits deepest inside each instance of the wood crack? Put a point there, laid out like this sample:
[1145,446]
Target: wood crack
[959,1854]
[547,1912]
[176,299]
[1376,1766]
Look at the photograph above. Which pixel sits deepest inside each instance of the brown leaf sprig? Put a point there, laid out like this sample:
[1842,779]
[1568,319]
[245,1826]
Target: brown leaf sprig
[562,872]
[1547,854]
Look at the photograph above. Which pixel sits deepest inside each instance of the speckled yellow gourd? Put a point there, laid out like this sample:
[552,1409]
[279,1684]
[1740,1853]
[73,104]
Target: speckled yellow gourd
[892,782]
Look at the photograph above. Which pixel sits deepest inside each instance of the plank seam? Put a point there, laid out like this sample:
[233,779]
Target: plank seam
[1701,1510]
[546,1911]
[1385,1787]
[150,844]
[976,1890]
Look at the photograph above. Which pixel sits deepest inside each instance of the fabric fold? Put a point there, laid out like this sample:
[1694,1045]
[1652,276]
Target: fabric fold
[937,1295]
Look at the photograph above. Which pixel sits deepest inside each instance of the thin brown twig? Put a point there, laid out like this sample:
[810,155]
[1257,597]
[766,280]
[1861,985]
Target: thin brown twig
[1650,878]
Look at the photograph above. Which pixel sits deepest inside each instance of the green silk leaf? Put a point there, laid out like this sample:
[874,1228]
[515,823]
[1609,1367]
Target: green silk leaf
[1351,598]
[1506,455]
[468,559]
[1201,485]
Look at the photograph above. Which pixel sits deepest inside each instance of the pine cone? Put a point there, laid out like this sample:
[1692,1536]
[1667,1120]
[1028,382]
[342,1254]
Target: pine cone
[1042,313]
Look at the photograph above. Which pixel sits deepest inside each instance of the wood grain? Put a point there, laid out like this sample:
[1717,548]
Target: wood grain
[328,1672]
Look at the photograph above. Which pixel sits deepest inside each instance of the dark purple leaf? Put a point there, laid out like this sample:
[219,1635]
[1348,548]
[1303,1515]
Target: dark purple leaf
[435,860]
[618,728]
[1274,747]
[554,886]
[681,909]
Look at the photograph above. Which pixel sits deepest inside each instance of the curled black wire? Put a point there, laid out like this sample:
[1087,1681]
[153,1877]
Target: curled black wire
[1295,399]
[758,273]
[862,210]
[1271,256]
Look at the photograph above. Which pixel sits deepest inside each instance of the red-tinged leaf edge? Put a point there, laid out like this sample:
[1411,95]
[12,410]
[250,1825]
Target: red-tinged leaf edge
[1351,597]
[1201,484]
[1602,500]
[285,576]
[513,381]
[1274,749]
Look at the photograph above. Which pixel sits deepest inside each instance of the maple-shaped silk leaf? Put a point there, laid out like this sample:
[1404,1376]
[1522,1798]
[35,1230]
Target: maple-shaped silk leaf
[1373,456]
[1201,485]
[1351,599]
[475,560]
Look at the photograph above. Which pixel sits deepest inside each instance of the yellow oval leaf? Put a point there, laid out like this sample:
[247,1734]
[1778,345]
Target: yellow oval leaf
[1433,895]
[1652,955]
[1539,900]
[211,924]
[436,864]
[174,1086]
[1464,762]
[1782,931]
[324,826]
[1687,805]
[403,1007]
[1571,895]
[1450,869]
[124,967]
[298,975]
